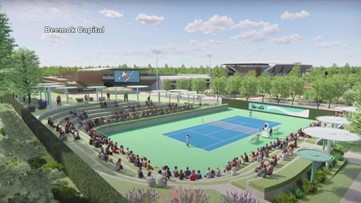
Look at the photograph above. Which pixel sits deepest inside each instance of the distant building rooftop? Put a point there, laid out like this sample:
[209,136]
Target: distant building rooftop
[272,67]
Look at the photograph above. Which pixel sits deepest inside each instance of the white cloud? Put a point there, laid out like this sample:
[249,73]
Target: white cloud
[198,46]
[323,45]
[211,26]
[253,48]
[287,39]
[248,24]
[264,29]
[268,28]
[213,41]
[252,35]
[318,38]
[54,38]
[54,10]
[293,16]
[148,19]
[111,13]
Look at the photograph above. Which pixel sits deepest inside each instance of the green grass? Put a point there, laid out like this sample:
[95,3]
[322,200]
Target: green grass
[335,188]
[287,175]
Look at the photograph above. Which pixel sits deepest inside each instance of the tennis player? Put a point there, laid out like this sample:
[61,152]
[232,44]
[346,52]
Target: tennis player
[187,139]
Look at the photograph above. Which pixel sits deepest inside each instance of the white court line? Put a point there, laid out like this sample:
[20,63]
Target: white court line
[222,141]
[194,133]
[184,130]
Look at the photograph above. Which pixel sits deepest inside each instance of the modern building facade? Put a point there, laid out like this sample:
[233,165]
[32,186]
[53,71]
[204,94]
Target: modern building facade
[105,77]
[273,68]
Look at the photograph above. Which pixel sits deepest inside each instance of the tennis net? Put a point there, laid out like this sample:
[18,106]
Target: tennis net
[231,126]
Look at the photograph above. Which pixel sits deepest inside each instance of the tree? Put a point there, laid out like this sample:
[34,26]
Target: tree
[167,84]
[335,87]
[183,84]
[199,85]
[233,84]
[218,86]
[218,72]
[7,44]
[27,73]
[264,84]
[248,85]
[317,91]
[295,83]
[356,118]
[279,88]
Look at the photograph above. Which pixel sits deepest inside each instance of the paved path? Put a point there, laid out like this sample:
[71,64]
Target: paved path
[353,193]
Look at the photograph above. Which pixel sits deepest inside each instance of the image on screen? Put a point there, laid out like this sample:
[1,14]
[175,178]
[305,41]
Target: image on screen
[126,76]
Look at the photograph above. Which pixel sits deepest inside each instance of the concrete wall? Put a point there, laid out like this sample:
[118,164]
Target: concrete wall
[242,104]
[272,194]
[139,123]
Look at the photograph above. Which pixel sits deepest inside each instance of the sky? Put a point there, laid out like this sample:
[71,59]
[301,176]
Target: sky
[192,33]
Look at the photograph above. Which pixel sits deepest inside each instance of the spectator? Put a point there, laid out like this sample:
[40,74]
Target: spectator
[218,172]
[58,100]
[193,176]
[176,172]
[150,179]
[118,165]
[199,175]
[187,172]
[161,180]
[263,172]
[108,95]
[140,173]
[181,175]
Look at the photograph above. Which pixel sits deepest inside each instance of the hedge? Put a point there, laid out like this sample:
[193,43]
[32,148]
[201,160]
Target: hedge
[89,182]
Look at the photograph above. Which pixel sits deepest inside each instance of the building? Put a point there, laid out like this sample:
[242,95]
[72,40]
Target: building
[175,78]
[105,76]
[273,68]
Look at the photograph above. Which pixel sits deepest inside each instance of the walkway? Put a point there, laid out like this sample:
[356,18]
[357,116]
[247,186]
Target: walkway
[353,193]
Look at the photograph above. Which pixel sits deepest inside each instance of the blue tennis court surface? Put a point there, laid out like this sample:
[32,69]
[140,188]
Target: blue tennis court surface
[226,131]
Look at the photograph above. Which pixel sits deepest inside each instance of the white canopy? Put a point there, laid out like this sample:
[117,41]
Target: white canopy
[347,108]
[332,134]
[333,120]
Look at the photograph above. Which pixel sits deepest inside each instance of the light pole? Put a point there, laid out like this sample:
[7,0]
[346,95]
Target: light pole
[156,52]
[209,64]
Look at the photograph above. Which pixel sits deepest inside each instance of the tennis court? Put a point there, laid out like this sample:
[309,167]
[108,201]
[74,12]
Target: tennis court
[162,150]
[214,134]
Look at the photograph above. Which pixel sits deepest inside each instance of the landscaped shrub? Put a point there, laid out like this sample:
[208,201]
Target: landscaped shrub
[2,131]
[320,176]
[65,194]
[286,198]
[42,104]
[142,195]
[238,198]
[180,195]
[53,165]
[307,186]
[338,156]
[342,148]
[36,162]
[299,194]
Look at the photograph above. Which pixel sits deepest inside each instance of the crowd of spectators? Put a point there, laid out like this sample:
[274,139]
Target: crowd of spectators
[132,112]
[108,148]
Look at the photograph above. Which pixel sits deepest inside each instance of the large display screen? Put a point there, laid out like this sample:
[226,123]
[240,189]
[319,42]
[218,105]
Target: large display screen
[127,76]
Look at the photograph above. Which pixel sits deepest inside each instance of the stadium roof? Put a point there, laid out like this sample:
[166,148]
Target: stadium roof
[186,76]
[270,63]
